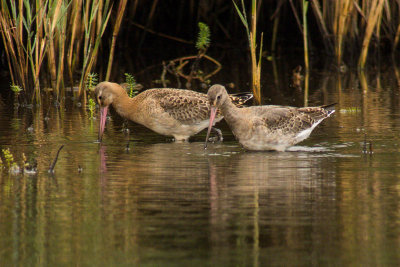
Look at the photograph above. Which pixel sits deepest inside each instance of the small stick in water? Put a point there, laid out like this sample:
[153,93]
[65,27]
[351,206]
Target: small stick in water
[51,169]
[365,144]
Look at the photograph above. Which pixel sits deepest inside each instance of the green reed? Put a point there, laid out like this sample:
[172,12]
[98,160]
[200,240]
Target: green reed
[96,11]
[251,35]
[92,107]
[8,157]
[90,84]
[15,88]
[91,81]
[203,38]
[43,41]
[131,83]
[49,43]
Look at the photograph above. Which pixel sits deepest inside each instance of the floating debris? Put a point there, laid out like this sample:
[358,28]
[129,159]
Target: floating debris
[51,169]
[350,110]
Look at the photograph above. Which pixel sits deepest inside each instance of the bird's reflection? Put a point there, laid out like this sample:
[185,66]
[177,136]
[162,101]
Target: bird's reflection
[253,199]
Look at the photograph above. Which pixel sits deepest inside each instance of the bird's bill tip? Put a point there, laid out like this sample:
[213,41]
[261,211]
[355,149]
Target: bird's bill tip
[213,112]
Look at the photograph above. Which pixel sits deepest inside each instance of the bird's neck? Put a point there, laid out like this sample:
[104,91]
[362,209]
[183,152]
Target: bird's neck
[125,106]
[236,118]
[230,111]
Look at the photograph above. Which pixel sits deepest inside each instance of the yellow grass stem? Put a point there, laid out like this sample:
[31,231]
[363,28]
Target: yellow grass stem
[152,11]
[343,9]
[372,21]
[363,81]
[396,72]
[62,27]
[306,87]
[35,35]
[120,14]
[13,41]
[256,71]
[255,66]
[305,36]
[75,30]
[396,38]
[92,42]
[52,62]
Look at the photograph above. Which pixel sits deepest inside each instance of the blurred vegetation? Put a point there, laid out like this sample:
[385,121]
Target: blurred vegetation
[58,43]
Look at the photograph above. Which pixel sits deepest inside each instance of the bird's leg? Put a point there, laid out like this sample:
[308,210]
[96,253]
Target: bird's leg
[219,137]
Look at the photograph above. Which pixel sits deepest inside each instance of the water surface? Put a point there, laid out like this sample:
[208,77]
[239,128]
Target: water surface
[141,199]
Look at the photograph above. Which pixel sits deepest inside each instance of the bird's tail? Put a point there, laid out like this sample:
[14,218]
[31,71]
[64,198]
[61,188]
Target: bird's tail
[241,98]
[330,108]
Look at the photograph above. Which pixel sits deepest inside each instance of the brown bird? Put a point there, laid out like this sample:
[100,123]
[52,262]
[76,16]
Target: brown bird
[173,112]
[265,127]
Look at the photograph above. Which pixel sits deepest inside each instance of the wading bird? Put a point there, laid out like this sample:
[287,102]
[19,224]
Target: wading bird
[172,112]
[265,127]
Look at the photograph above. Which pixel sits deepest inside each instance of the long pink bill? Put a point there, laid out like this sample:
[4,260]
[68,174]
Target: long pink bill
[103,118]
[213,112]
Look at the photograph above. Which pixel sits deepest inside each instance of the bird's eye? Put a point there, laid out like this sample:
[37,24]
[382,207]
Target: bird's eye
[100,97]
[219,97]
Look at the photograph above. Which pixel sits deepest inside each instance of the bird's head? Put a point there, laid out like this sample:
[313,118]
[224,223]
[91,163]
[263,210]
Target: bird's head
[217,95]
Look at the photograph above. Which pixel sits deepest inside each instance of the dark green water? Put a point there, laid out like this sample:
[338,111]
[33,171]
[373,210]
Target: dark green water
[175,204]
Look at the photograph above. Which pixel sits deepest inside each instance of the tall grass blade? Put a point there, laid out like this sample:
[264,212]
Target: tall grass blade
[372,21]
[305,35]
[120,14]
[251,34]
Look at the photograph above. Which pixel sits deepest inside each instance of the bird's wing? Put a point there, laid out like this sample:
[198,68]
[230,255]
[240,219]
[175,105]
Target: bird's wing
[318,113]
[283,118]
[186,106]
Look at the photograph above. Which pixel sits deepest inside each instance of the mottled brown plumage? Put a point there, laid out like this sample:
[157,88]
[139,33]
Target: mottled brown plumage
[172,112]
[266,127]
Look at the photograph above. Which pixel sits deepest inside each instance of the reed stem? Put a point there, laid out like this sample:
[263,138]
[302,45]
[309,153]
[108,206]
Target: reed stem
[46,35]
[252,33]
[117,25]
[305,36]
[373,19]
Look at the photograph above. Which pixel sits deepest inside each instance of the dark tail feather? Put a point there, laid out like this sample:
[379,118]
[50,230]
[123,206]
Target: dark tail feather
[330,108]
[241,98]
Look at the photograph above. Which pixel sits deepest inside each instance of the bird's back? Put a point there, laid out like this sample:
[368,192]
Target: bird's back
[277,127]
[185,106]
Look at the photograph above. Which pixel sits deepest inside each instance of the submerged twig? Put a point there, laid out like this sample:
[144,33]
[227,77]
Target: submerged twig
[51,169]
[161,34]
[365,144]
